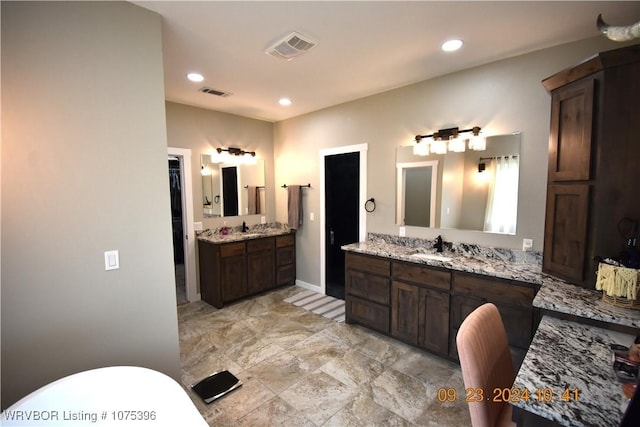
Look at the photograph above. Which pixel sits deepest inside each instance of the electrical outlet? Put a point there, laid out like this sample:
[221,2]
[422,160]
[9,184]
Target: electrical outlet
[402,231]
[527,244]
[312,216]
[263,219]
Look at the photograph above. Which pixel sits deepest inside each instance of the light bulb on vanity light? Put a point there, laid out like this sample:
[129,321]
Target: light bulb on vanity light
[421,147]
[456,144]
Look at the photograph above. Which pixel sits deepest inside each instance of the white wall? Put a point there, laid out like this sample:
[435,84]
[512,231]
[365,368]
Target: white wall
[84,170]
[203,131]
[501,97]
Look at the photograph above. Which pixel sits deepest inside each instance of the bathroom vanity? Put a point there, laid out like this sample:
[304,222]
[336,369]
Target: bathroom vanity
[421,299]
[239,265]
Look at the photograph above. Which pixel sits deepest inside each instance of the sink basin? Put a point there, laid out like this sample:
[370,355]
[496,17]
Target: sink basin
[434,257]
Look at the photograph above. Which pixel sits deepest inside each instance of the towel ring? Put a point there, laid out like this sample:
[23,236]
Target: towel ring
[370,205]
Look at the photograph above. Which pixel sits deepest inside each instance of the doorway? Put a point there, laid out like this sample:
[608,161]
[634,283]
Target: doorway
[181,195]
[343,193]
[177,227]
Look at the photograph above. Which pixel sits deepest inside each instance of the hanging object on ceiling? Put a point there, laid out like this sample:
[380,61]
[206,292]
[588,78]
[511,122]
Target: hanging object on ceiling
[618,34]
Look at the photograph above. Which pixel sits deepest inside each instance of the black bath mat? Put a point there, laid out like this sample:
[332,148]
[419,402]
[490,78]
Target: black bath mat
[216,385]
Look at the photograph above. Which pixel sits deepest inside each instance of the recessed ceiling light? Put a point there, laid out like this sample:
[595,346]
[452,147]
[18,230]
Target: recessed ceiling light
[195,77]
[285,102]
[452,45]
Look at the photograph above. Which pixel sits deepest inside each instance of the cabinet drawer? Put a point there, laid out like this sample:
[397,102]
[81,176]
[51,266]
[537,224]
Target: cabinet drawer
[286,275]
[262,244]
[232,249]
[285,240]
[493,290]
[285,256]
[368,286]
[370,264]
[370,314]
[422,275]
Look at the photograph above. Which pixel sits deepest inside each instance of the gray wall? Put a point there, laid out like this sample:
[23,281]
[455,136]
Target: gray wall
[203,131]
[84,170]
[501,97]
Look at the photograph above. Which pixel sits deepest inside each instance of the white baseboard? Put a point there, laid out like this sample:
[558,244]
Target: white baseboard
[308,286]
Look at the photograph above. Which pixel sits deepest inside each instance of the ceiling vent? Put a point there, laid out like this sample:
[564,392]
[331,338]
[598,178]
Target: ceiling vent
[215,92]
[294,44]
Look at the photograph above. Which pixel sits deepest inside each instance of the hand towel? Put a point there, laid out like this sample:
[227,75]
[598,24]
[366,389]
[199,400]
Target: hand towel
[251,200]
[294,205]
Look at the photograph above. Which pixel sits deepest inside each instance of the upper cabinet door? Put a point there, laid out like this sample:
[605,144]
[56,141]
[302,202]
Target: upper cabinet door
[570,141]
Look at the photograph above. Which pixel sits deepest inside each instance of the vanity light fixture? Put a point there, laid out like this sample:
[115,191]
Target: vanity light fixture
[234,155]
[448,139]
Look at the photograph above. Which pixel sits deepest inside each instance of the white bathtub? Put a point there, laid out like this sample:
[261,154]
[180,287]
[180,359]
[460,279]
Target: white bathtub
[115,396]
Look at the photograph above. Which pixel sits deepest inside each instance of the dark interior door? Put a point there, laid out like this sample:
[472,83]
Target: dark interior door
[342,190]
[230,191]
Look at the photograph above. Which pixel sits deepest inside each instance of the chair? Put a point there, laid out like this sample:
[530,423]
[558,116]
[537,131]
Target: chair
[486,364]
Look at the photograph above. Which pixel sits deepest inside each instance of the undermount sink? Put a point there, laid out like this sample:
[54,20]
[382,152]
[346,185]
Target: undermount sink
[434,257]
[250,235]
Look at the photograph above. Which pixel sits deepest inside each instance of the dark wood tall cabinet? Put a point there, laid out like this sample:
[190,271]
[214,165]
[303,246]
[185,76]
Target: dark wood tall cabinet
[594,157]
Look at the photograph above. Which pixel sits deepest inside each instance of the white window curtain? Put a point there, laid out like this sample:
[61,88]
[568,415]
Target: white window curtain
[502,202]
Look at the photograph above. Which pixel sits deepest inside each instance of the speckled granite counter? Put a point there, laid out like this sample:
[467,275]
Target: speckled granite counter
[502,263]
[567,355]
[235,235]
[557,295]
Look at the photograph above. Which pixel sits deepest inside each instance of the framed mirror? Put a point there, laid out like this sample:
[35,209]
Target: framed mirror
[471,190]
[232,189]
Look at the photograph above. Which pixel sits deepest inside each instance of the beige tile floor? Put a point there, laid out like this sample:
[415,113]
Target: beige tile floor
[301,369]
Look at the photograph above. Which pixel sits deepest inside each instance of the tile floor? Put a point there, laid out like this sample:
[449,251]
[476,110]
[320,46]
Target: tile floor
[301,369]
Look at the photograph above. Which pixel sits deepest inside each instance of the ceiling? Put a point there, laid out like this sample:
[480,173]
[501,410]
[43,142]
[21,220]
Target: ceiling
[364,47]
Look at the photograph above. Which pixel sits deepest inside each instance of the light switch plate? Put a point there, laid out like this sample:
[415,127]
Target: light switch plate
[111,260]
[402,232]
[527,244]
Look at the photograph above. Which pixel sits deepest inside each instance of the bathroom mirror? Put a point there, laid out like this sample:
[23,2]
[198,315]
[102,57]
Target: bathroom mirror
[232,189]
[472,190]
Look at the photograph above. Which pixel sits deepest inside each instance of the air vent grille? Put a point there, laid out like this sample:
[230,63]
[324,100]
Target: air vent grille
[215,92]
[291,46]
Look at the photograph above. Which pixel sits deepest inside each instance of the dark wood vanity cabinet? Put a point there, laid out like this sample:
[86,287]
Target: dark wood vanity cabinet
[368,291]
[424,306]
[285,259]
[236,270]
[261,257]
[420,306]
[593,162]
[233,265]
[514,301]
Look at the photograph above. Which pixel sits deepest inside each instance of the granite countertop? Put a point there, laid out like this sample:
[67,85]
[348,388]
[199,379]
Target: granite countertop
[557,295]
[504,264]
[568,355]
[236,235]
